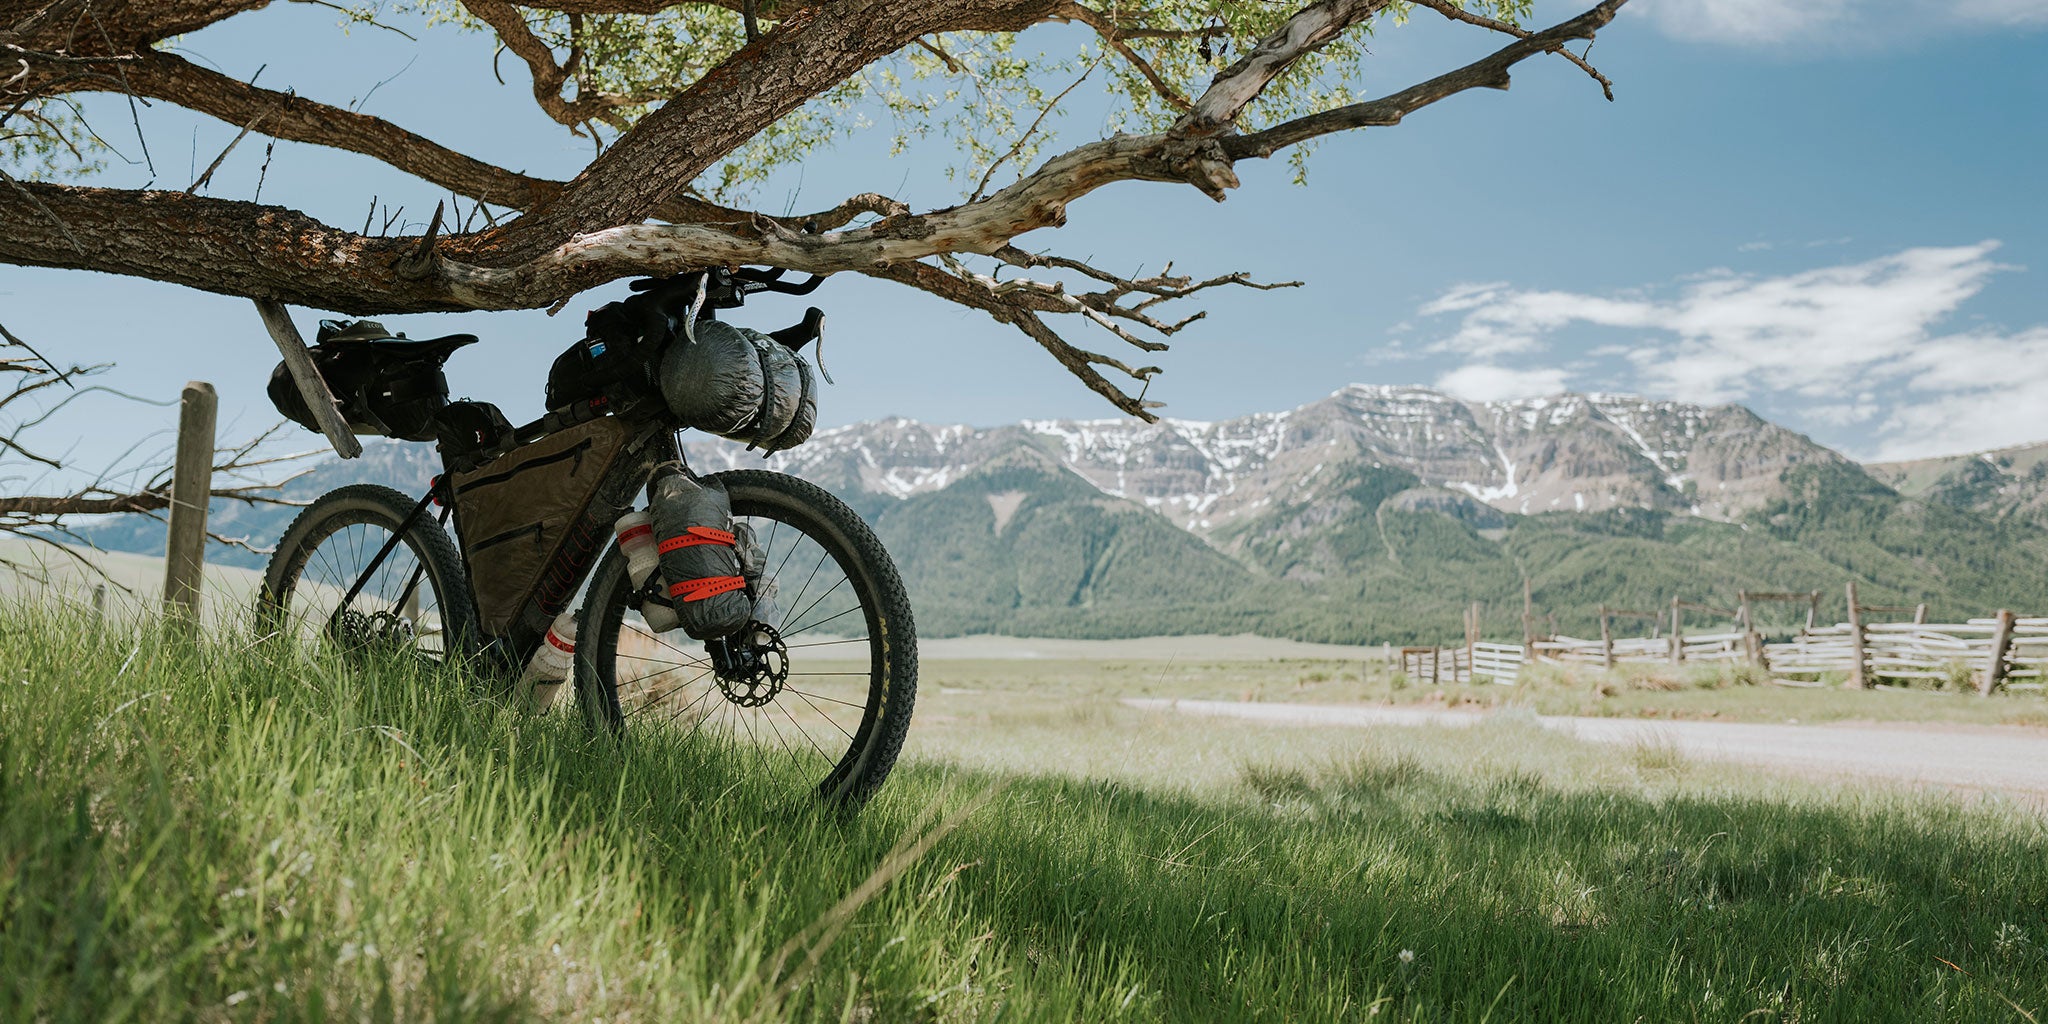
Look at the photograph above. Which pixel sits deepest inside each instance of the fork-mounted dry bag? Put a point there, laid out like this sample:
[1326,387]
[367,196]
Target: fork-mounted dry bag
[700,563]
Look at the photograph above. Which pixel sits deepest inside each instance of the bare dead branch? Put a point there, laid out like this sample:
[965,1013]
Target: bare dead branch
[1018,146]
[1490,72]
[1456,13]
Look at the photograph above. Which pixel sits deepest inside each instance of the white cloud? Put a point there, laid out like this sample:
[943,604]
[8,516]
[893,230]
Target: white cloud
[1782,23]
[1860,347]
[2003,12]
[1971,392]
[1743,22]
[1486,383]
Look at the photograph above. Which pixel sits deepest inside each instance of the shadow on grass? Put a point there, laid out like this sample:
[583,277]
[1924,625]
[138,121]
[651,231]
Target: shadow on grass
[233,831]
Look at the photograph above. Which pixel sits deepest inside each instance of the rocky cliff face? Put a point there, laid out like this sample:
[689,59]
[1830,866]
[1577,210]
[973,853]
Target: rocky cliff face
[1581,453]
[2006,484]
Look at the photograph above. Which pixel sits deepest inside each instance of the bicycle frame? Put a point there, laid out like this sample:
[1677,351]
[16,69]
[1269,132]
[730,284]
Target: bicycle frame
[687,297]
[612,496]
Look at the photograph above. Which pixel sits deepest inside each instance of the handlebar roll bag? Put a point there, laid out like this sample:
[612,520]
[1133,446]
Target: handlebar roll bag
[700,565]
[739,384]
[514,512]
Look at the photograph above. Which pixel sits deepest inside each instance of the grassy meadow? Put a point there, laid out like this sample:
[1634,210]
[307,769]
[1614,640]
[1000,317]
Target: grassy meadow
[1727,692]
[237,832]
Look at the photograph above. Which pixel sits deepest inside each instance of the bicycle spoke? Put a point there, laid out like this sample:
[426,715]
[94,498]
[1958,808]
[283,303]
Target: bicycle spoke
[799,617]
[821,711]
[820,622]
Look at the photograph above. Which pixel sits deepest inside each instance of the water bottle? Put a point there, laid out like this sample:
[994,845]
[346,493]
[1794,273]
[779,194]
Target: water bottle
[549,668]
[635,531]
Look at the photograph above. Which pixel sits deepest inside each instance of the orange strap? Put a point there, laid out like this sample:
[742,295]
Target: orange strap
[695,536]
[642,530]
[709,586]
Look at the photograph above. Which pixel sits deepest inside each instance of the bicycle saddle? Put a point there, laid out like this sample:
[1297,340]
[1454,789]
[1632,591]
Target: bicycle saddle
[371,335]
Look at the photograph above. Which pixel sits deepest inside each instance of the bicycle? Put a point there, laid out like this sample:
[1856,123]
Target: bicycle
[366,567]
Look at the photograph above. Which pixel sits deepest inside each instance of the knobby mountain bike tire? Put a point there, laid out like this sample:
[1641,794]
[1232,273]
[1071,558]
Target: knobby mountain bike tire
[844,642]
[416,601]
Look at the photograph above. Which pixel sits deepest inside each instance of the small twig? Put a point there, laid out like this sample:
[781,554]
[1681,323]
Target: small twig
[946,58]
[421,261]
[236,141]
[13,339]
[1456,13]
[359,17]
[1018,147]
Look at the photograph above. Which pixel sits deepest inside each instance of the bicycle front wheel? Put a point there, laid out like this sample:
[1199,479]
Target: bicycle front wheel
[326,586]
[824,693]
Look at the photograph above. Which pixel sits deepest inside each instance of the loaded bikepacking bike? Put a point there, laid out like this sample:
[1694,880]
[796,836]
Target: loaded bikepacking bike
[745,606]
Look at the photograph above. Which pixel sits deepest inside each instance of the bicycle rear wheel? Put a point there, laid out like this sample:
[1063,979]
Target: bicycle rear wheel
[824,694]
[416,600]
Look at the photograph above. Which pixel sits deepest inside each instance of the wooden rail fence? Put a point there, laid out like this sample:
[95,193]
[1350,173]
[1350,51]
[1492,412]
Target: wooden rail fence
[2005,651]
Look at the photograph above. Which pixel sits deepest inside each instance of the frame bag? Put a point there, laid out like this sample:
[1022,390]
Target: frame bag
[514,512]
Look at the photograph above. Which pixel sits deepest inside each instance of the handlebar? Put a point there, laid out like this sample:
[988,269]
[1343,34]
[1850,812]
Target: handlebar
[769,279]
[683,297]
[722,288]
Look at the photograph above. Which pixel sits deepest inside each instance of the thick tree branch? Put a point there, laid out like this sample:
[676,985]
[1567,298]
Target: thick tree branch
[267,252]
[1490,72]
[1217,109]
[812,49]
[578,234]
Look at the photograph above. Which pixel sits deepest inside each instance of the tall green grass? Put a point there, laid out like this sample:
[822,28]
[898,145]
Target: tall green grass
[233,831]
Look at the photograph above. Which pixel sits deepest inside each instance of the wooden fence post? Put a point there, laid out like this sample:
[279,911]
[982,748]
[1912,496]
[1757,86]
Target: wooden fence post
[1677,634]
[1751,644]
[1472,644]
[1606,639]
[1528,616]
[1813,612]
[2001,642]
[1858,677]
[191,486]
[1920,614]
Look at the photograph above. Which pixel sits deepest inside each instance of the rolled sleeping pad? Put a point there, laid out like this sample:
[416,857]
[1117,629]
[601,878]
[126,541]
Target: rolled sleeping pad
[712,380]
[740,384]
[699,558]
[806,418]
[785,394]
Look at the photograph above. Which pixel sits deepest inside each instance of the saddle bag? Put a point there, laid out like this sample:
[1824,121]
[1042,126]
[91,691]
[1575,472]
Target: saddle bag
[700,563]
[384,383]
[739,384]
[514,512]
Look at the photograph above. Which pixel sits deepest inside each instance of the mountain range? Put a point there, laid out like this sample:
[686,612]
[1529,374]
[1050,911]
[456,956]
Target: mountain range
[1375,514]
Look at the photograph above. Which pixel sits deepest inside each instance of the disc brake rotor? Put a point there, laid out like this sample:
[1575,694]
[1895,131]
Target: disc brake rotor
[753,667]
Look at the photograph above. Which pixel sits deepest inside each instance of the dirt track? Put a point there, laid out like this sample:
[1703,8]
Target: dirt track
[2008,758]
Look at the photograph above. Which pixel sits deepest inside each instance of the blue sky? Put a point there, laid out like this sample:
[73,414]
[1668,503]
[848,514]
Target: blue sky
[1830,211]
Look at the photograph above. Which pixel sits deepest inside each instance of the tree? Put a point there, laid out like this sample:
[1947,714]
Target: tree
[686,102]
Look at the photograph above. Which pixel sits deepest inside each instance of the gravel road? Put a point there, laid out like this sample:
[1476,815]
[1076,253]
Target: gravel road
[2010,758]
